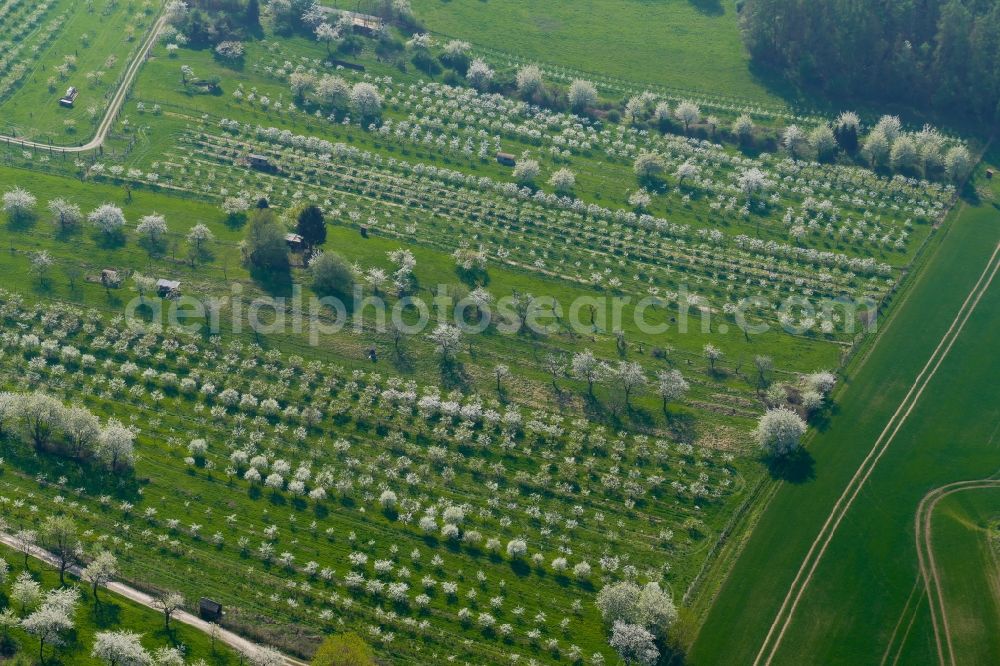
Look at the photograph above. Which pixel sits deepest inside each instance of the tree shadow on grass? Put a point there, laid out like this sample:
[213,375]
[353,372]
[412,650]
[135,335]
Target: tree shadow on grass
[164,635]
[109,241]
[673,655]
[16,223]
[274,282]
[641,418]
[454,375]
[473,277]
[822,419]
[593,407]
[65,234]
[401,362]
[8,646]
[682,427]
[114,301]
[42,287]
[106,614]
[236,221]
[797,468]
[520,568]
[708,7]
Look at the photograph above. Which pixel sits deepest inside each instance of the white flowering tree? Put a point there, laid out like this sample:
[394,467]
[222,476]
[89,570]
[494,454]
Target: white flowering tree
[779,431]
[822,140]
[713,355]
[903,154]
[120,648]
[957,163]
[688,113]
[500,373]
[53,619]
[743,128]
[587,368]
[847,128]
[529,80]
[108,219]
[230,50]
[634,644]
[648,166]
[563,181]
[100,571]
[19,204]
[655,609]
[890,126]
[198,239]
[152,230]
[684,171]
[301,83]
[168,603]
[25,591]
[619,602]
[794,140]
[630,376]
[671,386]
[265,656]
[65,214]
[640,199]
[480,75]
[876,147]
[41,262]
[366,101]
[582,95]
[326,34]
[59,536]
[447,340]
[175,12]
[526,171]
[333,92]
[752,182]
[517,548]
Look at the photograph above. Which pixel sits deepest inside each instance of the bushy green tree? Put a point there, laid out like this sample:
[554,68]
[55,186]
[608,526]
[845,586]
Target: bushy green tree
[264,247]
[347,649]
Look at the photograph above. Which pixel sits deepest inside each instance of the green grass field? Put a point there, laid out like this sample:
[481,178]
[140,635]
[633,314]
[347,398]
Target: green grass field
[863,583]
[687,44]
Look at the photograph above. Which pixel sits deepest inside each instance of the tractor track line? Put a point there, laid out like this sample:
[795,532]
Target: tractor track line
[928,566]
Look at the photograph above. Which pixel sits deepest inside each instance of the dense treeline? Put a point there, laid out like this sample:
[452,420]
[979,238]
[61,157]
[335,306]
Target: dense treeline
[208,22]
[942,53]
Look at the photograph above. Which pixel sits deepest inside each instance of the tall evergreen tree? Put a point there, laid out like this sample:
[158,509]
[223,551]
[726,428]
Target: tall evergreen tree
[311,226]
